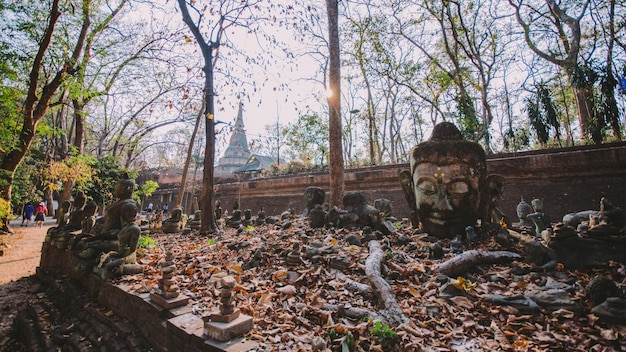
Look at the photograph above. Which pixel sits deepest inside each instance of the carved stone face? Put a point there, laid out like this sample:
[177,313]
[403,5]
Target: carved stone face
[448,187]
[124,189]
[447,197]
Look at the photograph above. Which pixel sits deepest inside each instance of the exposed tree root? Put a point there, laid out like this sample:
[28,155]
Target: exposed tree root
[466,260]
[391,311]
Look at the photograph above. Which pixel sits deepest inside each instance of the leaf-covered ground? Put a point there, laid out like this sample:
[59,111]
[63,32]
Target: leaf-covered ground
[319,301]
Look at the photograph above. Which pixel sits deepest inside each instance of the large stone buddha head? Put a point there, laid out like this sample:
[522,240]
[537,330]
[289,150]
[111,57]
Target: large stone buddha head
[447,186]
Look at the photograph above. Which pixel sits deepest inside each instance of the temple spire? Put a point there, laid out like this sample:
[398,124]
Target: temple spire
[237,153]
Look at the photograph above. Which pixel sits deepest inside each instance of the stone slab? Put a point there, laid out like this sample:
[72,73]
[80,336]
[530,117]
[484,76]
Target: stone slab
[187,323]
[169,303]
[226,331]
[235,345]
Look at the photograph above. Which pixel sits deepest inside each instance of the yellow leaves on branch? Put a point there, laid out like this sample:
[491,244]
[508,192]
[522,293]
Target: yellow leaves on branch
[77,169]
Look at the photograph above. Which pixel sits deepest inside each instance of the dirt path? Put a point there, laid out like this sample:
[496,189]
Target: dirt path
[22,251]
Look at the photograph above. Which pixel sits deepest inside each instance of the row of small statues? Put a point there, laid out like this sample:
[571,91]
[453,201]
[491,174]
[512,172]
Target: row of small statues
[106,245]
[608,221]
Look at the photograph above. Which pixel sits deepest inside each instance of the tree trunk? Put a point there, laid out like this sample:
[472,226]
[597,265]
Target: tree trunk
[183,181]
[334,106]
[38,98]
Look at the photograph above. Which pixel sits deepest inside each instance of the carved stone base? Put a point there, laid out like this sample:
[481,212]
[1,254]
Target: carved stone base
[169,303]
[226,331]
[224,318]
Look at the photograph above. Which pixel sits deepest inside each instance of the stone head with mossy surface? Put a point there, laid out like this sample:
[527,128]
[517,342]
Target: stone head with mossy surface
[448,187]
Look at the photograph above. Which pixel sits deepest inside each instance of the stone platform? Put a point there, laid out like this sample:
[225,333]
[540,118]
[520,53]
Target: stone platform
[163,329]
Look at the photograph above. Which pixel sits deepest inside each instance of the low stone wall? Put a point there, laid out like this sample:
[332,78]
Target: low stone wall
[175,329]
[567,180]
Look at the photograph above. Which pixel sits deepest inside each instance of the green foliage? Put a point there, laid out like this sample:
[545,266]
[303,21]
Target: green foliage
[383,332]
[344,340]
[308,139]
[146,242]
[537,120]
[77,169]
[148,188]
[211,241]
[102,185]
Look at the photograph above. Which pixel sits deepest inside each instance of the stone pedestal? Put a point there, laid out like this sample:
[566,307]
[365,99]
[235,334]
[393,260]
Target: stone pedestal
[224,331]
[169,303]
[227,322]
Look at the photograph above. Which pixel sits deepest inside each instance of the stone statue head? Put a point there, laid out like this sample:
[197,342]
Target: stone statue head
[447,186]
[124,188]
[537,205]
[523,209]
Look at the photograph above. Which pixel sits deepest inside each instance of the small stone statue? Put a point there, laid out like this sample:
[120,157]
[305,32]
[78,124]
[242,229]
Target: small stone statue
[314,196]
[194,224]
[218,210]
[260,217]
[470,236]
[456,246]
[317,217]
[435,251]
[247,217]
[383,206]
[173,224]
[235,220]
[293,258]
[523,210]
[538,217]
[89,217]
[228,322]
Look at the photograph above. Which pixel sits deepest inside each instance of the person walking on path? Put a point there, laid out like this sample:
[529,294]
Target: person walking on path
[40,214]
[27,214]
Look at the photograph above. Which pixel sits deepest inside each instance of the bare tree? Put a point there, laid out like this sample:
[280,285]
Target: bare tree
[556,36]
[228,14]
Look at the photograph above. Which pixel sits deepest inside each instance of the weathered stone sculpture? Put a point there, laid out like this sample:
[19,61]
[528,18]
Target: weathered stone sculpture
[173,224]
[540,219]
[314,196]
[194,223]
[260,217]
[523,210]
[448,187]
[218,210]
[293,257]
[61,235]
[113,240]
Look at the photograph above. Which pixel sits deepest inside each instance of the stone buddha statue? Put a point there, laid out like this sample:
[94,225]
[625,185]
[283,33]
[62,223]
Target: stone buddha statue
[523,210]
[540,219]
[113,239]
[448,187]
[61,235]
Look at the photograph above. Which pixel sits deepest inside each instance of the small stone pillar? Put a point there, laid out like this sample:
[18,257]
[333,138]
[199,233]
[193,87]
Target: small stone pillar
[167,294]
[227,322]
[293,258]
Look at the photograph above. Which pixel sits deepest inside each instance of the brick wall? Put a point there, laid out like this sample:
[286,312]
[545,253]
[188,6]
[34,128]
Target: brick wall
[566,179]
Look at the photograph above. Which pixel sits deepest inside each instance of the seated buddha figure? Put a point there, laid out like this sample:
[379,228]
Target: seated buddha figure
[116,234]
